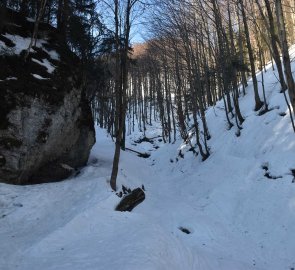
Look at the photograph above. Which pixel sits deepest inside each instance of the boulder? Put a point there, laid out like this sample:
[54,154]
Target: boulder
[46,125]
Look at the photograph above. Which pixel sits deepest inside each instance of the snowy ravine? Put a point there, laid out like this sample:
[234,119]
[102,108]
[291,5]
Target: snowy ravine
[238,218]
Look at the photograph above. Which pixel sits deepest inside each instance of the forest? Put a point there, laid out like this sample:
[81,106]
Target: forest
[179,114]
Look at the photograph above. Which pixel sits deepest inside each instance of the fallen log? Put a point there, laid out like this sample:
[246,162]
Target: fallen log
[131,200]
[142,155]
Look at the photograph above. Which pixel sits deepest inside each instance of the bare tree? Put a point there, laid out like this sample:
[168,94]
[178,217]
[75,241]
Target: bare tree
[121,76]
[285,50]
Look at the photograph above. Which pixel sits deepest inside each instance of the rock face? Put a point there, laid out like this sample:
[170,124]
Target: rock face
[46,126]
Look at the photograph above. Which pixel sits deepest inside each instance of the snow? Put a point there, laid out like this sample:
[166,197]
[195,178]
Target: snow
[14,24]
[30,19]
[53,54]
[45,63]
[237,218]
[22,44]
[11,78]
[39,77]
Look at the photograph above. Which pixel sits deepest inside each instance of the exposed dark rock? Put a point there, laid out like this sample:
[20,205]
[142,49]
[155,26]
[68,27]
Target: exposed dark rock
[131,200]
[144,155]
[145,139]
[282,114]
[293,174]
[180,154]
[119,194]
[267,174]
[185,230]
[125,190]
[46,127]
[192,149]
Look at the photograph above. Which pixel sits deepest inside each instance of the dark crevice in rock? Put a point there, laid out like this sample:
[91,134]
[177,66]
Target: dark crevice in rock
[2,160]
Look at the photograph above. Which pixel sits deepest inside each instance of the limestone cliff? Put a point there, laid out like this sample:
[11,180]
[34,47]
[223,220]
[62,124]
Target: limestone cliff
[46,127]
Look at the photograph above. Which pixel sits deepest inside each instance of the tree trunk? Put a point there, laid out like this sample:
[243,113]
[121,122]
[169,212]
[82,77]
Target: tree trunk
[285,50]
[273,39]
[258,102]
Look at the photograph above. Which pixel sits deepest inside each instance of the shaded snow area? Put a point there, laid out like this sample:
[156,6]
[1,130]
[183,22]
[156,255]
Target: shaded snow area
[235,211]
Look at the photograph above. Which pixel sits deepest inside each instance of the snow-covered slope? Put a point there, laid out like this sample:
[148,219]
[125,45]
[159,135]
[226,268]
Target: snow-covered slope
[237,218]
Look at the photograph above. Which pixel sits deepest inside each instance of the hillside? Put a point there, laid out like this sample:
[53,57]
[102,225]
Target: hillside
[236,210]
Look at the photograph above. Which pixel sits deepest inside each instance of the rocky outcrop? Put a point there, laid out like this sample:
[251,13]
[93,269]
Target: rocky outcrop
[46,126]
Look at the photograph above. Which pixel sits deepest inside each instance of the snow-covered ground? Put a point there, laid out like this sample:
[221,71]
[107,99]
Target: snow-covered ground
[238,219]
